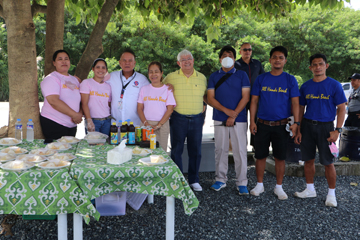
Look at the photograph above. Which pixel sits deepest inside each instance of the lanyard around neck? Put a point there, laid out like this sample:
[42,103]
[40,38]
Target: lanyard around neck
[123,88]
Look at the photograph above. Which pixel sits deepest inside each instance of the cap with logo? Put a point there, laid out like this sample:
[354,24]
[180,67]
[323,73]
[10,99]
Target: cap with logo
[355,76]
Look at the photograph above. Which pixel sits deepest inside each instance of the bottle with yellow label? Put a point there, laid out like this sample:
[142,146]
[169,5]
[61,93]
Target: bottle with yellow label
[124,131]
[114,134]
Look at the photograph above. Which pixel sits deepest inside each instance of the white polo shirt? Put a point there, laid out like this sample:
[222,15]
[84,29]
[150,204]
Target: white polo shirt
[128,108]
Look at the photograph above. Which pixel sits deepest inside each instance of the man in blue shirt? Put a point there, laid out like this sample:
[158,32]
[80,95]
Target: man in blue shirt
[253,69]
[324,99]
[228,93]
[273,94]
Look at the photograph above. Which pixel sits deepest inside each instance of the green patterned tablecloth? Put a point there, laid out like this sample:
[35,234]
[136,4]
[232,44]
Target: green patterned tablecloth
[96,178]
[42,192]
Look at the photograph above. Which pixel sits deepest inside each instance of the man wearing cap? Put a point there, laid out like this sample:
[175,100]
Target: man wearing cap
[228,94]
[253,69]
[125,88]
[353,118]
[324,100]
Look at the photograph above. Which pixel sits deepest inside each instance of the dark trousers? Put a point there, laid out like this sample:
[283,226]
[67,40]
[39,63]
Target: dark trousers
[187,127]
[52,130]
[352,121]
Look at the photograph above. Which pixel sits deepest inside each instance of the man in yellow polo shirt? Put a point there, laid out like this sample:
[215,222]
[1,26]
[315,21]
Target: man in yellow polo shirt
[186,121]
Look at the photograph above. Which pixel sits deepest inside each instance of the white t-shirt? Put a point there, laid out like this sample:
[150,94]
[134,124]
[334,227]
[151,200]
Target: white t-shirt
[128,108]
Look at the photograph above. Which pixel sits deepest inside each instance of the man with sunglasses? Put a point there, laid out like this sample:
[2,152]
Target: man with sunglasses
[353,118]
[253,69]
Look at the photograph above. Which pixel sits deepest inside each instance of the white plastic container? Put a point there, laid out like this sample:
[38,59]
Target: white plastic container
[135,200]
[112,204]
[30,131]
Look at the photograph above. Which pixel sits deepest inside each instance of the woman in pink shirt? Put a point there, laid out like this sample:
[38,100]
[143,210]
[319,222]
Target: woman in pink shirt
[155,104]
[96,99]
[61,110]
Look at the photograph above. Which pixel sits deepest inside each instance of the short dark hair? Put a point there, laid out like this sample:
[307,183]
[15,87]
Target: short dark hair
[59,51]
[98,60]
[128,50]
[227,48]
[279,49]
[318,55]
[244,44]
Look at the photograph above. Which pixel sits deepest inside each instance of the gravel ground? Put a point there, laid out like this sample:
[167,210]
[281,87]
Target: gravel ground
[226,215]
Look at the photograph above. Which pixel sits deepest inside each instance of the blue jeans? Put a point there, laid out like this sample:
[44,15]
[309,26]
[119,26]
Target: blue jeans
[101,126]
[190,127]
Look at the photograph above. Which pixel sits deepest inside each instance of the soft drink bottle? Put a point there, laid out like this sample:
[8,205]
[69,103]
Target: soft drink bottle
[131,133]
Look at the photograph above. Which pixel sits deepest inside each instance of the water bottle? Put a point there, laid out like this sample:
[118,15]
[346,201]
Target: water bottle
[18,129]
[30,131]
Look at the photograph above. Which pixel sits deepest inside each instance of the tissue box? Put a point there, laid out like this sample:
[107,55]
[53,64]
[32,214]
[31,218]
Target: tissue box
[115,156]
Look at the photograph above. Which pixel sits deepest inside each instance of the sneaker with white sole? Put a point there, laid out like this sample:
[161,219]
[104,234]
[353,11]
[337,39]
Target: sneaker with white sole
[218,185]
[305,194]
[257,190]
[196,187]
[331,201]
[279,192]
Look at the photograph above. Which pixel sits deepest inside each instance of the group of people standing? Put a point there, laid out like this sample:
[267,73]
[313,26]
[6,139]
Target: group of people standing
[175,105]
[275,96]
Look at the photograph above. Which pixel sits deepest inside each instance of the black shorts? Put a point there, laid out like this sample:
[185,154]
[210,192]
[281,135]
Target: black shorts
[352,120]
[315,136]
[277,135]
[52,130]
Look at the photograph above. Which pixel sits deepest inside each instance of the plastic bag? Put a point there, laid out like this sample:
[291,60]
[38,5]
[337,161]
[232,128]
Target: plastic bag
[334,150]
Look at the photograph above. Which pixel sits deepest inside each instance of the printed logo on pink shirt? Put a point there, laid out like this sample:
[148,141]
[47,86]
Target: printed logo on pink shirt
[92,93]
[154,99]
[74,87]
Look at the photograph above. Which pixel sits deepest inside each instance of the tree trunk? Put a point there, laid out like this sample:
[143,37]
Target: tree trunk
[54,32]
[94,46]
[23,96]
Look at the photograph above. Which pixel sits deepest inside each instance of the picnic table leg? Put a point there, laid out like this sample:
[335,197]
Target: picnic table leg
[78,226]
[170,218]
[150,199]
[62,226]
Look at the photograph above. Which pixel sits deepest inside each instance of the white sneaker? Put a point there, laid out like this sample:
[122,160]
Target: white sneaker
[280,193]
[196,187]
[305,194]
[331,201]
[257,190]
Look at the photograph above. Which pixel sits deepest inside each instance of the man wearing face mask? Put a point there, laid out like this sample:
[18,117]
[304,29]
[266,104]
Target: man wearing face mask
[228,94]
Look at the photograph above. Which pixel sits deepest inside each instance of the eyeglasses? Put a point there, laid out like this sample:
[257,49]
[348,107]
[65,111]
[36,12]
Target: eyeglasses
[185,60]
[247,49]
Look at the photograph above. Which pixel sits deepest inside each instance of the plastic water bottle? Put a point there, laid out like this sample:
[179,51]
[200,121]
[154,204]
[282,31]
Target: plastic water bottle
[18,129]
[30,131]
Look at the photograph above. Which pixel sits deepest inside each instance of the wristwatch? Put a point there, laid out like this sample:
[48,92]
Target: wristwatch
[298,123]
[339,130]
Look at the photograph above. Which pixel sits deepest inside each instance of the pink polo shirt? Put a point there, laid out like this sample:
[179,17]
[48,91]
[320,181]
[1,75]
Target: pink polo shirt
[100,96]
[58,84]
[155,101]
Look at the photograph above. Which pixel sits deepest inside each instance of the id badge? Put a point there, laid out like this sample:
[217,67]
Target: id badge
[120,104]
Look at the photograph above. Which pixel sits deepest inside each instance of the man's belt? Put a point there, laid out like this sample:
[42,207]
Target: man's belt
[353,113]
[315,122]
[273,123]
[102,119]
